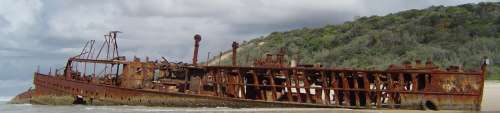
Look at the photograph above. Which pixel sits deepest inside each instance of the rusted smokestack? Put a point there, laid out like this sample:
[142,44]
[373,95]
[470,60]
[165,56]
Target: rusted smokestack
[235,47]
[197,39]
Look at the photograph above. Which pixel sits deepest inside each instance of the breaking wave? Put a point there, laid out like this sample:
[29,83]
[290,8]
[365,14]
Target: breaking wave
[5,98]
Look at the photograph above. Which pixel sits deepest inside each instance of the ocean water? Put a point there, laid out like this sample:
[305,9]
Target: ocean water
[28,108]
[491,104]
[3,98]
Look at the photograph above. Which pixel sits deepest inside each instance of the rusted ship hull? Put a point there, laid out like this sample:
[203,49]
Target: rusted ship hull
[52,86]
[440,90]
[269,82]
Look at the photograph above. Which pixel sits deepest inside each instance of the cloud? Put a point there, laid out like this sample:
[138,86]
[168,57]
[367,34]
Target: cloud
[46,32]
[13,87]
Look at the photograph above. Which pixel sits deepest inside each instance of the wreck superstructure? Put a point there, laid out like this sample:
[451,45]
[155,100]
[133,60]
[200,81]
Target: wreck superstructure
[102,75]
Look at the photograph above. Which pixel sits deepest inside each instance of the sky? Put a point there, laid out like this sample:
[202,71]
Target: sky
[46,32]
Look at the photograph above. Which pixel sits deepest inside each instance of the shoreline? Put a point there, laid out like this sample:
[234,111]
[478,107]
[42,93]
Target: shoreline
[490,102]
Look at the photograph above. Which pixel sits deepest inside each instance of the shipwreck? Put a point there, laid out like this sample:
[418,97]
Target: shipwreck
[100,74]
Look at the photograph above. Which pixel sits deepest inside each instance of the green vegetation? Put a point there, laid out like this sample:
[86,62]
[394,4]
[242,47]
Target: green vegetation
[458,35]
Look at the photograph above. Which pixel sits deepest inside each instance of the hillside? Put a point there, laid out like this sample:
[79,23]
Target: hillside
[457,35]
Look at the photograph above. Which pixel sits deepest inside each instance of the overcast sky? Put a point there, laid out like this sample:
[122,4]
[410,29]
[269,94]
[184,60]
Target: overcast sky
[47,32]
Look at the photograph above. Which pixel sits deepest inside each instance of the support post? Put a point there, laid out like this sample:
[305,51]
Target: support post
[297,85]
[307,87]
[367,91]
[378,90]
[273,84]
[256,84]
[414,82]
[242,84]
[356,87]
[335,89]
[288,86]
[346,90]
[325,89]
[391,92]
